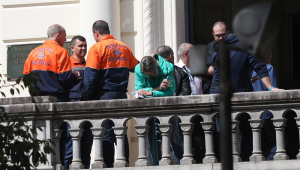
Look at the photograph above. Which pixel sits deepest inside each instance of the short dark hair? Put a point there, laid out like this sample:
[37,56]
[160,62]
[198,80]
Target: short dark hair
[164,51]
[77,37]
[101,27]
[219,23]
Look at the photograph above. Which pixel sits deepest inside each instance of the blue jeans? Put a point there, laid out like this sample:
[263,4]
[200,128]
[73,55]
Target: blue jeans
[109,137]
[86,145]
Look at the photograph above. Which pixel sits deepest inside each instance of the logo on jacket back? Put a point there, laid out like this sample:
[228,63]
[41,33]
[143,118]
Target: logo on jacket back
[117,52]
[41,55]
[117,55]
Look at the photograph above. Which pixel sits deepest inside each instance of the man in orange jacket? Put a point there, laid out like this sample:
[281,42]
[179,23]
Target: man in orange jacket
[79,49]
[106,77]
[50,63]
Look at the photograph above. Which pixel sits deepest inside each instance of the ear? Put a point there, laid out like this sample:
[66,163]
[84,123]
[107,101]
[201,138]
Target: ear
[97,34]
[72,47]
[185,53]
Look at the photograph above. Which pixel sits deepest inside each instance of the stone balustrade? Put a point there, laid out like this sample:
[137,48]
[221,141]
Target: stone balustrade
[45,112]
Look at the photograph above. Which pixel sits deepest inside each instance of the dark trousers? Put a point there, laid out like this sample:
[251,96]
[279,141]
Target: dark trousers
[85,145]
[109,137]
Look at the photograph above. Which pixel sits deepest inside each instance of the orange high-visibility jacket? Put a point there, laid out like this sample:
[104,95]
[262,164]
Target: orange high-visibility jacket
[107,67]
[77,90]
[52,63]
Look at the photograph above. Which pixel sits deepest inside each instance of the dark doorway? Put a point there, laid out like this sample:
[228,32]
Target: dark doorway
[200,15]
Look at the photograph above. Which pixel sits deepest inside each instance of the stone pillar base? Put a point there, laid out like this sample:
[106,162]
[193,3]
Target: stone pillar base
[98,165]
[59,167]
[142,162]
[121,164]
[236,158]
[76,166]
[165,161]
[187,161]
[210,159]
[298,156]
[257,158]
[281,156]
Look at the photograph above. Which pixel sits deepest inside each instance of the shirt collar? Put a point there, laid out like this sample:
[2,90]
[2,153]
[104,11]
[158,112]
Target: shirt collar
[76,61]
[180,64]
[51,42]
[106,37]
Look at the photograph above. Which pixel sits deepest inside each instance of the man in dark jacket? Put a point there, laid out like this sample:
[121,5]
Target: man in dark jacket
[241,66]
[182,81]
[182,88]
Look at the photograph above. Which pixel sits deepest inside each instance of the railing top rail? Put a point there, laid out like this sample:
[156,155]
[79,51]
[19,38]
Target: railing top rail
[46,105]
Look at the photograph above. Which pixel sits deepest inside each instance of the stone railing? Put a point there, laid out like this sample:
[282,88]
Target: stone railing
[45,112]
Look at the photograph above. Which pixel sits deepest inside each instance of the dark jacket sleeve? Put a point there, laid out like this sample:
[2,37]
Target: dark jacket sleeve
[259,67]
[90,85]
[186,86]
[183,86]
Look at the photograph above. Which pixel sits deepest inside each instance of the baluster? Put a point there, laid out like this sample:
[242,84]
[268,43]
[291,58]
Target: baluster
[76,137]
[56,138]
[235,154]
[166,130]
[256,126]
[187,130]
[280,144]
[142,131]
[208,128]
[120,133]
[98,137]
[298,123]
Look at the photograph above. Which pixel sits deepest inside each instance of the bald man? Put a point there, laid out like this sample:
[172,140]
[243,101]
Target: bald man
[47,70]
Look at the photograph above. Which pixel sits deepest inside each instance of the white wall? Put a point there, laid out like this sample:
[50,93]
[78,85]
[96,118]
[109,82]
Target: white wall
[27,21]
[174,28]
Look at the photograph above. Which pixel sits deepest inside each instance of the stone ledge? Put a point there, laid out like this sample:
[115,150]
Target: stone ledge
[264,165]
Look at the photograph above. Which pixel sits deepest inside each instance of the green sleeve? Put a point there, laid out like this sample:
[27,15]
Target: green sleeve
[140,82]
[170,91]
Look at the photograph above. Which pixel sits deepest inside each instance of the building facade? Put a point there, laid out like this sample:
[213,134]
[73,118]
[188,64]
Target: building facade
[143,25]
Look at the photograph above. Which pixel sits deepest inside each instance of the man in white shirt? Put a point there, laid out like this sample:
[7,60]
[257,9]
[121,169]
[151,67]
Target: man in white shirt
[195,81]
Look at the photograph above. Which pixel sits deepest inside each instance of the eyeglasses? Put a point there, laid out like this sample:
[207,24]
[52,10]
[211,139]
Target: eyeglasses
[221,35]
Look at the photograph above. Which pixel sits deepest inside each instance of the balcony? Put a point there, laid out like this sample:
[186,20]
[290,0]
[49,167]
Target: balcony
[46,113]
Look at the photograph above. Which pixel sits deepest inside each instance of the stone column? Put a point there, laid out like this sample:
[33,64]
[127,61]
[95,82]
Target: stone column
[279,128]
[187,130]
[148,26]
[142,131]
[166,130]
[120,133]
[56,139]
[256,126]
[208,128]
[98,136]
[93,10]
[298,123]
[235,154]
[76,137]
